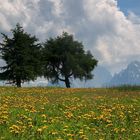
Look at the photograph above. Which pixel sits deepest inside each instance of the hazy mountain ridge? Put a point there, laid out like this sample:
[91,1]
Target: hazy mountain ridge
[128,76]
[100,78]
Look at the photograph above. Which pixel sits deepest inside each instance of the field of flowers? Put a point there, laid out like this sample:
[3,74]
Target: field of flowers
[69,114]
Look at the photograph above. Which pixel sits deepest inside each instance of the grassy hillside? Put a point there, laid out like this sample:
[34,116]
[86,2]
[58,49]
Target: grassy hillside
[69,114]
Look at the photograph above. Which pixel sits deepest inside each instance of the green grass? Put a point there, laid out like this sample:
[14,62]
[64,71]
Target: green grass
[76,114]
[127,88]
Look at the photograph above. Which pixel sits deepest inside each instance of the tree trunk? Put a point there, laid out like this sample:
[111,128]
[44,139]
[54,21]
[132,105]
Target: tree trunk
[67,82]
[18,82]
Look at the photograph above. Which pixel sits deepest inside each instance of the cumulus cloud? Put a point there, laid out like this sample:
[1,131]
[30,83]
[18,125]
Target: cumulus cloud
[118,37]
[112,37]
[134,18]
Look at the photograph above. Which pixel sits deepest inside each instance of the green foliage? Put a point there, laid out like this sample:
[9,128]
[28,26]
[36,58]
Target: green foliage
[21,54]
[127,88]
[64,58]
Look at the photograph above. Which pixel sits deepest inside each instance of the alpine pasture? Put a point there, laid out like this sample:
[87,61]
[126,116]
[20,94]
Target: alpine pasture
[69,114]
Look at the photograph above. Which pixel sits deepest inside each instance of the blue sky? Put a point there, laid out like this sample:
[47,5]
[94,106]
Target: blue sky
[129,5]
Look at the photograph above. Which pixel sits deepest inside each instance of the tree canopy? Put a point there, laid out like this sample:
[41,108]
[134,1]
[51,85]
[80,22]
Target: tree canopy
[21,54]
[64,58]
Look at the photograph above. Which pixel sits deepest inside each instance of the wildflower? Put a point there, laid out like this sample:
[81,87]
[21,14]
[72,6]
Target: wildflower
[44,127]
[54,133]
[108,125]
[123,130]
[81,132]
[116,130]
[44,116]
[30,125]
[39,130]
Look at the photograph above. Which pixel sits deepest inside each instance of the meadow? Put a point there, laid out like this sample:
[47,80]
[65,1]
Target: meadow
[69,114]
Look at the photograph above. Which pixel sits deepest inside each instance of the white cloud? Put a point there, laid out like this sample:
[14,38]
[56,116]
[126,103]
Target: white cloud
[4,23]
[134,18]
[112,37]
[118,37]
[58,5]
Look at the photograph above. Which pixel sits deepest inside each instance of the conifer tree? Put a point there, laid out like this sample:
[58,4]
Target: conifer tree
[21,55]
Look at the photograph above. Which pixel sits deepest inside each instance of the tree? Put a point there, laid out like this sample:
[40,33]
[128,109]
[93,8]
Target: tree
[65,58]
[21,54]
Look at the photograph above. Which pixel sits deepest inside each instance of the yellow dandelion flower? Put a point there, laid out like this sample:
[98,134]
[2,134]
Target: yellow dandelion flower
[116,130]
[39,130]
[123,129]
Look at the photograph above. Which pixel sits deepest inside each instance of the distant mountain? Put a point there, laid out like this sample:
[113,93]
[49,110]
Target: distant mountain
[101,77]
[128,76]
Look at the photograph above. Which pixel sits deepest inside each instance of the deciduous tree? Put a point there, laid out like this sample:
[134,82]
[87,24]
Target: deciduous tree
[64,58]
